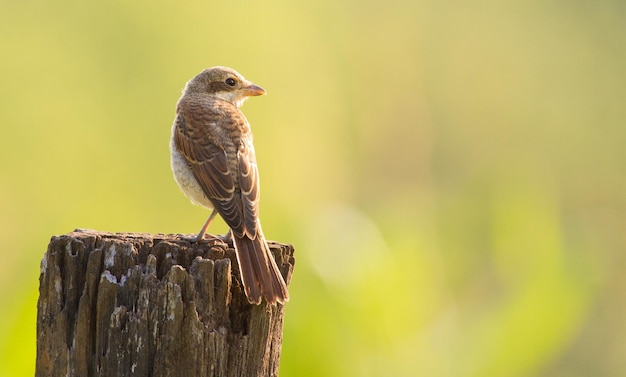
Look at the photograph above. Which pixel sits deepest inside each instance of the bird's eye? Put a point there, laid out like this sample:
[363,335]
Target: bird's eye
[230,81]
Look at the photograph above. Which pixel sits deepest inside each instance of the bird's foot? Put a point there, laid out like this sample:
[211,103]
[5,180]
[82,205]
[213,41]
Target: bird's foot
[208,238]
[227,239]
[204,238]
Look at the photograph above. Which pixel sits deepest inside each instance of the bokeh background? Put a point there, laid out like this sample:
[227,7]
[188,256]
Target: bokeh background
[452,174]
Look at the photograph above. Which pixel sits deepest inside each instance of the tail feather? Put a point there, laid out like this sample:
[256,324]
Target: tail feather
[259,273]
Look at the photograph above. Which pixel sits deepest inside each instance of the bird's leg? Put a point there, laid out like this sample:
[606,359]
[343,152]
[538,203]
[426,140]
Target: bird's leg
[202,232]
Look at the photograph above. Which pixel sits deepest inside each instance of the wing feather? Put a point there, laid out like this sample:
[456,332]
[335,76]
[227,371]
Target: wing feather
[249,183]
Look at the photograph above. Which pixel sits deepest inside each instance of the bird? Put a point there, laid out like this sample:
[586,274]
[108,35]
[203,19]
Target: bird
[214,164]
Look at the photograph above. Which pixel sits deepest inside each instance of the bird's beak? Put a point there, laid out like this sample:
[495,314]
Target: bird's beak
[252,90]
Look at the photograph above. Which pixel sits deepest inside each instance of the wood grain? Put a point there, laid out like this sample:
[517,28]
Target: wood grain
[134,304]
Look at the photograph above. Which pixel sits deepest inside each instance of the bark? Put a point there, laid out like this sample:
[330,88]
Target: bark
[126,304]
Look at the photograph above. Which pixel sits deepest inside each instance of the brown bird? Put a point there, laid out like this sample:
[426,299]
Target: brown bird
[214,164]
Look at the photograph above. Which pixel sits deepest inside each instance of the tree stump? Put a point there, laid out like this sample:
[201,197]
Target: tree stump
[126,304]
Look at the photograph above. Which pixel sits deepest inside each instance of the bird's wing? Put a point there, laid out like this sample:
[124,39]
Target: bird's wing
[209,162]
[249,184]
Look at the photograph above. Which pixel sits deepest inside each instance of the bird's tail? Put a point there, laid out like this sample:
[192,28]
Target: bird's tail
[259,272]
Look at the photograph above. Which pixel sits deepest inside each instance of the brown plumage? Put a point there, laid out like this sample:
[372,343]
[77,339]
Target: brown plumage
[214,164]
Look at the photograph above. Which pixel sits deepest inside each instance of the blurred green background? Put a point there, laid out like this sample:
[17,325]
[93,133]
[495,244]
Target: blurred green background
[451,174]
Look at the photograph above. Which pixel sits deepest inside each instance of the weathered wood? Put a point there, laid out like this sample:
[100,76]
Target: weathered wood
[125,304]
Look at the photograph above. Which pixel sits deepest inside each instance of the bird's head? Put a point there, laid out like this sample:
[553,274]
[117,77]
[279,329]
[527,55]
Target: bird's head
[224,83]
